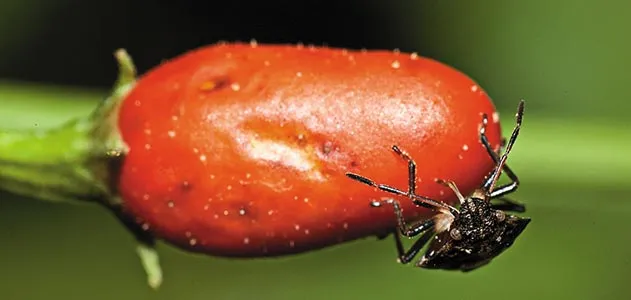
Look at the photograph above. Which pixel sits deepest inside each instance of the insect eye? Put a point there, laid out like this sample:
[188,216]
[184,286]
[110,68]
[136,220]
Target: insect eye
[500,215]
[455,234]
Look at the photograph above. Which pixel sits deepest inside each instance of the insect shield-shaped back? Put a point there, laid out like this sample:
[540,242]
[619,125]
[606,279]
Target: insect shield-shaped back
[468,237]
[478,234]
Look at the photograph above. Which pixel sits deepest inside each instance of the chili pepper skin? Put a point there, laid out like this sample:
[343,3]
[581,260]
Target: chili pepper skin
[241,150]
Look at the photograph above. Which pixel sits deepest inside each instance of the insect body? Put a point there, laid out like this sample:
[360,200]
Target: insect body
[468,237]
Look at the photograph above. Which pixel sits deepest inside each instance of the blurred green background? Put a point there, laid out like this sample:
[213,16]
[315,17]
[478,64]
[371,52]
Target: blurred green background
[570,59]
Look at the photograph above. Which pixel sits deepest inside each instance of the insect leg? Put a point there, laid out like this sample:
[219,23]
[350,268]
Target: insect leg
[411,169]
[514,184]
[408,231]
[406,257]
[389,189]
[404,228]
[412,183]
[485,141]
[417,199]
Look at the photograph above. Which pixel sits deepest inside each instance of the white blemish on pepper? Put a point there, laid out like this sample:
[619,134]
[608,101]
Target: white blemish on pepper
[496,117]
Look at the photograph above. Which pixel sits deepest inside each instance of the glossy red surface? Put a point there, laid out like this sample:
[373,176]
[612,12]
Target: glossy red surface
[241,149]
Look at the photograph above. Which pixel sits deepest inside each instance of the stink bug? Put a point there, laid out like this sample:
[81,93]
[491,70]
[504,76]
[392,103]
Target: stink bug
[465,238]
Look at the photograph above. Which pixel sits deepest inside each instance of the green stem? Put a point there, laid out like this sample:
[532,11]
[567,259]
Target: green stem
[79,162]
[71,162]
[50,164]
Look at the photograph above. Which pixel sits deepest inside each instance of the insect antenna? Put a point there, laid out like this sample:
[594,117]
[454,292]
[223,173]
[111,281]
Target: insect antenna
[452,185]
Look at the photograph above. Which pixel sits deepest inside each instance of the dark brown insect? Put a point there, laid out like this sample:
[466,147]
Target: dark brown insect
[468,237]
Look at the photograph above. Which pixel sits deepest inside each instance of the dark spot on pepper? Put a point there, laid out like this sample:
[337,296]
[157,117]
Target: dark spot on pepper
[186,186]
[327,147]
[215,84]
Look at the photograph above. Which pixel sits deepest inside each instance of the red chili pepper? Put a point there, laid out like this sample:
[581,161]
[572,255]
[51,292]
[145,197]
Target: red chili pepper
[241,150]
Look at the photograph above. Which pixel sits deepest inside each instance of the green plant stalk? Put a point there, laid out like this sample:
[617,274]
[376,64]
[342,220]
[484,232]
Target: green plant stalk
[50,164]
[78,162]
[71,162]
